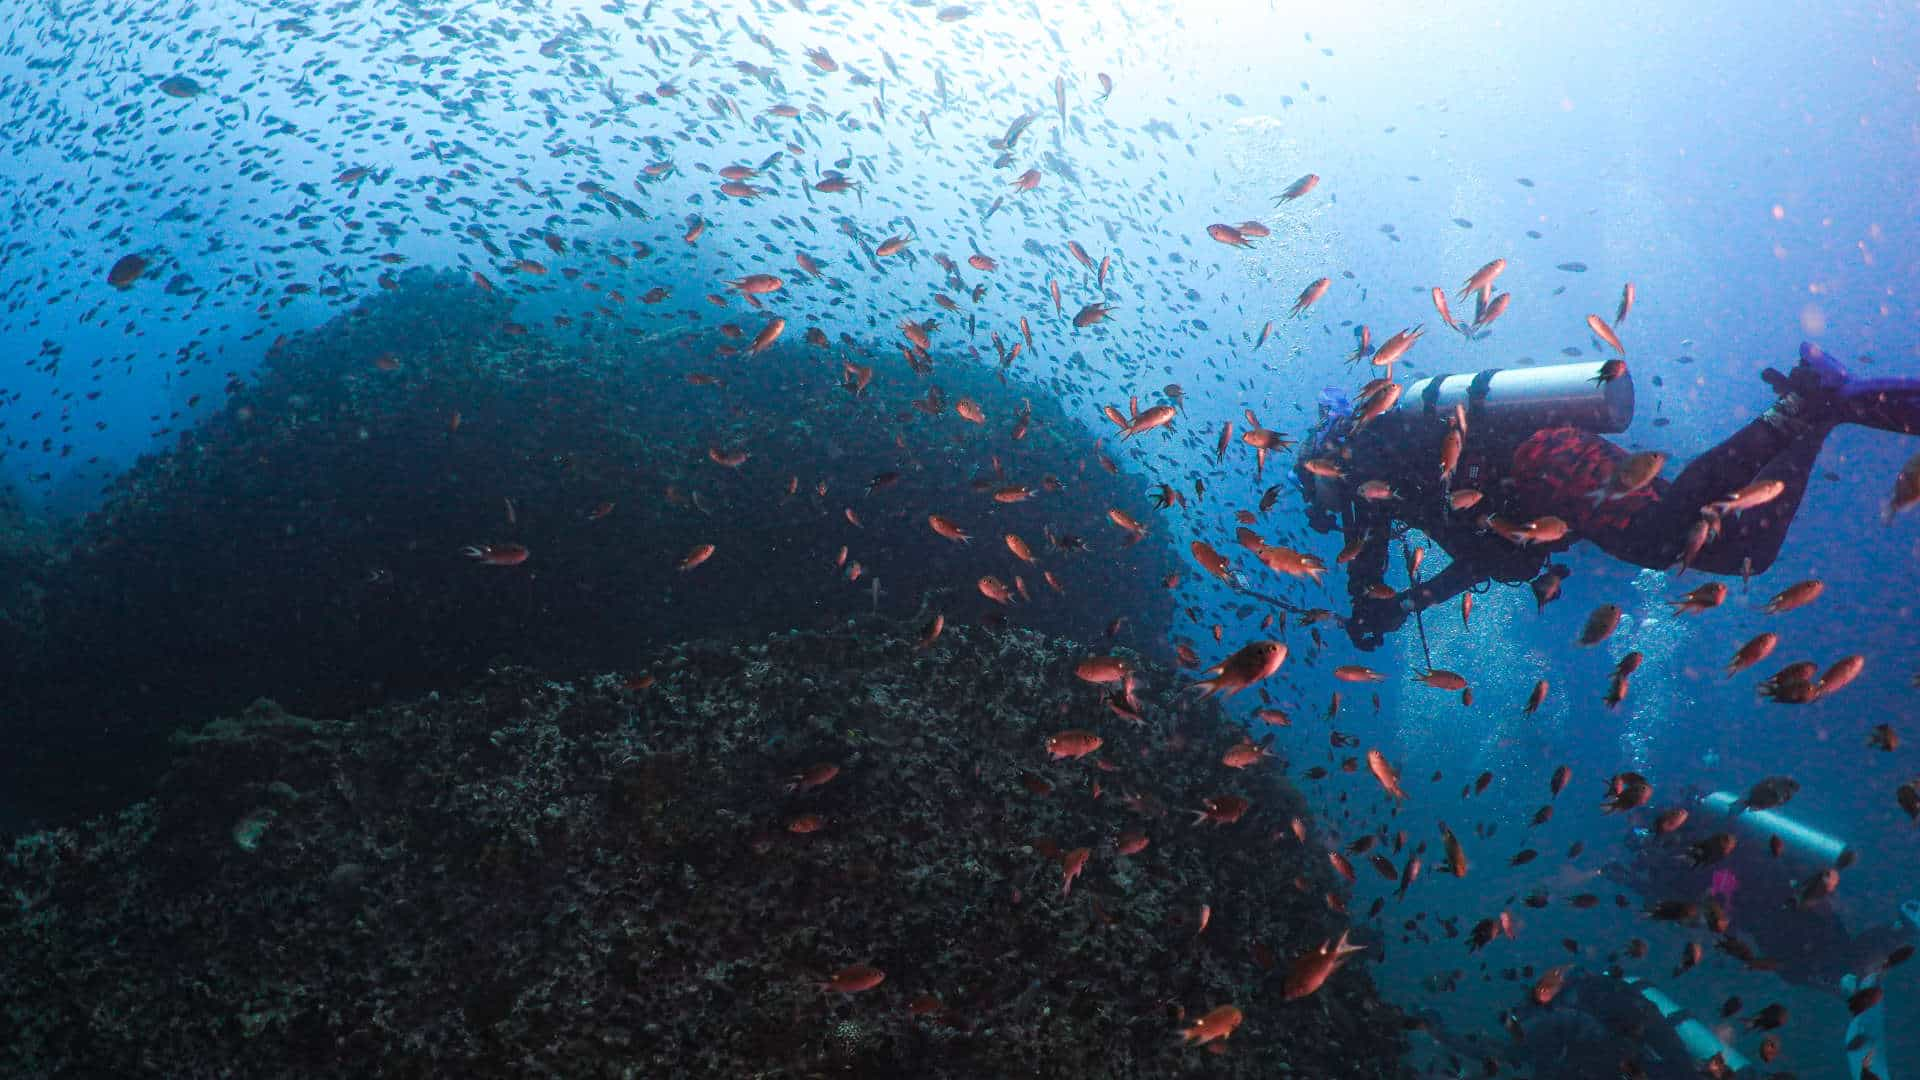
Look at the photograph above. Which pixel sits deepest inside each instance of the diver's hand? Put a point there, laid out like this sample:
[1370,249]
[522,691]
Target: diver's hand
[1373,620]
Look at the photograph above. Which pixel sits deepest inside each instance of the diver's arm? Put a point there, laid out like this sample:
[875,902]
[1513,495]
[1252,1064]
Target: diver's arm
[1459,576]
[1372,618]
[1369,567]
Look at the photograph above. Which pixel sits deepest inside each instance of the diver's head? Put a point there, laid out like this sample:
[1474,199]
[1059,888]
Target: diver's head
[1325,496]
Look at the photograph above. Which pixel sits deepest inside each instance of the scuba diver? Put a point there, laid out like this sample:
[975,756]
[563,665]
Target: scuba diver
[1602,1025]
[1531,475]
[1776,890]
[1598,1025]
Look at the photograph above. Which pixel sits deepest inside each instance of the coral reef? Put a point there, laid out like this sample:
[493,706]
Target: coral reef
[601,878]
[26,562]
[305,542]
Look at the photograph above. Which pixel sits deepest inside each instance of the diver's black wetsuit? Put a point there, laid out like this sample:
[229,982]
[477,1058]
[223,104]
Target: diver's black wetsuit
[1564,472]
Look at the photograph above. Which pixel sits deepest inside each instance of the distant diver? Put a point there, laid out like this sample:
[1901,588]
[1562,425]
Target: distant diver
[1772,893]
[1504,467]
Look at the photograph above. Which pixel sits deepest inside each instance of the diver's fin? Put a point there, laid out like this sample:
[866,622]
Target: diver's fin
[1886,404]
[1828,392]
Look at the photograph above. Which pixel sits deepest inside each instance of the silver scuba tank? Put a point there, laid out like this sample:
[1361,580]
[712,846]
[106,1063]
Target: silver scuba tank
[1528,399]
[1804,850]
[1701,1043]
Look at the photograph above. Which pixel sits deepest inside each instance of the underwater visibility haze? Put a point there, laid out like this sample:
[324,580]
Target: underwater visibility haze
[791,538]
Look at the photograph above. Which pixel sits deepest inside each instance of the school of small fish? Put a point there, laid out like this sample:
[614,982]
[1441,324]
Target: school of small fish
[820,180]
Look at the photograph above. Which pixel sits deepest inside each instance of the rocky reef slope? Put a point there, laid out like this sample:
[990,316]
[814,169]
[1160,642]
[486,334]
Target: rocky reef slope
[621,878]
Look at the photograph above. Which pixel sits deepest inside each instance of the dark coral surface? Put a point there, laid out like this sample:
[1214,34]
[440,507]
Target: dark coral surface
[572,879]
[305,542]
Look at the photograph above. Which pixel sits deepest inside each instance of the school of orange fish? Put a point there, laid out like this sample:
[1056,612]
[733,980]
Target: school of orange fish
[570,219]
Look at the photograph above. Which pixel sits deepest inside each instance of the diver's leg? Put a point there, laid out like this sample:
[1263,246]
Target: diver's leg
[1782,444]
[1738,460]
[1814,397]
[1650,527]
[1750,540]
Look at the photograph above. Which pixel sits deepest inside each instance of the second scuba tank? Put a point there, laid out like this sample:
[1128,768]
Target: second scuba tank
[1804,849]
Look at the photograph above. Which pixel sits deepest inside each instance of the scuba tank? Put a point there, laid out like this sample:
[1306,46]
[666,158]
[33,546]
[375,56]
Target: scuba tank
[1807,851]
[1866,1032]
[1698,1038]
[1524,400]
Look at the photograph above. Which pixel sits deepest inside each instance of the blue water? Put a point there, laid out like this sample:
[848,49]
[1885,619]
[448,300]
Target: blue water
[1748,167]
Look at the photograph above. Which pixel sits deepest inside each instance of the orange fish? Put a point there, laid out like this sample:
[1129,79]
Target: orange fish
[813,776]
[1212,561]
[1456,855]
[1492,311]
[1440,305]
[497,554]
[1298,188]
[1795,596]
[1102,669]
[948,529]
[995,590]
[1070,865]
[1281,560]
[1906,490]
[1221,810]
[1538,696]
[1388,776]
[1605,333]
[1700,599]
[757,284]
[1019,548]
[1752,653]
[1158,416]
[1395,347]
[769,334]
[1244,753]
[1482,279]
[1547,987]
[1310,295]
[1312,969]
[1444,680]
[1216,1024]
[1600,624]
[126,271]
[1228,235]
[1840,673]
[700,553]
[1251,664]
[854,979]
[1073,744]
[1758,493]
[1092,313]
